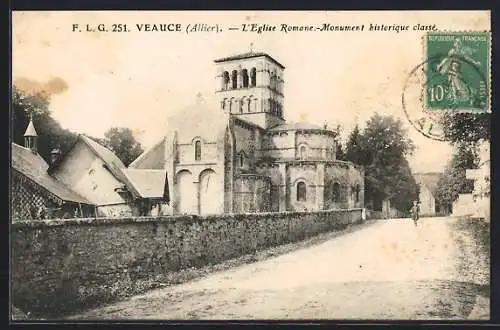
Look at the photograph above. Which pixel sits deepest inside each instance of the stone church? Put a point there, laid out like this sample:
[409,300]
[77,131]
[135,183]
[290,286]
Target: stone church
[240,155]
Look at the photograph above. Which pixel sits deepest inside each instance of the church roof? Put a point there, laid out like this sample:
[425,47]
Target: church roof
[299,126]
[149,183]
[30,130]
[34,167]
[429,180]
[249,55]
[201,119]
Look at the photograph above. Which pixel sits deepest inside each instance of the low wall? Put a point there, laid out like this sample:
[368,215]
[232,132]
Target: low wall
[60,266]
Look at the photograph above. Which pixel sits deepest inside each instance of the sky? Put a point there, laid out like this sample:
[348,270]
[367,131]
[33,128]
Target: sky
[99,80]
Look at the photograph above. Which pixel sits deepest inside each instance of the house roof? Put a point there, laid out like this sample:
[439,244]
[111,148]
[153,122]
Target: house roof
[429,180]
[153,158]
[33,166]
[149,183]
[249,55]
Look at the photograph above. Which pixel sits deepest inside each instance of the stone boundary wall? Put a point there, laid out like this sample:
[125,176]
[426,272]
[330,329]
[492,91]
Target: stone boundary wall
[61,266]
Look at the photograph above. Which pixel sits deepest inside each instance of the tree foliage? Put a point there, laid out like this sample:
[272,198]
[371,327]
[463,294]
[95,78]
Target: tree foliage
[50,133]
[466,127]
[123,143]
[382,149]
[453,181]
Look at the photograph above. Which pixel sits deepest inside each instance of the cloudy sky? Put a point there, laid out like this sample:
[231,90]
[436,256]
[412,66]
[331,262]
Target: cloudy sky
[137,79]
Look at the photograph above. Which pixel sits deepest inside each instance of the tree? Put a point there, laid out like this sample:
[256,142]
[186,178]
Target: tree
[341,155]
[453,181]
[51,134]
[123,143]
[466,127]
[382,149]
[355,149]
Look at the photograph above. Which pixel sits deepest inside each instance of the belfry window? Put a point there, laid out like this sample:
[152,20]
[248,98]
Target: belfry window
[234,79]
[253,77]
[244,75]
[301,192]
[225,80]
[197,150]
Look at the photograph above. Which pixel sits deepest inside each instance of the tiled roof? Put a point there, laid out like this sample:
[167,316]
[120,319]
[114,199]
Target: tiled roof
[149,183]
[153,158]
[33,166]
[248,55]
[430,180]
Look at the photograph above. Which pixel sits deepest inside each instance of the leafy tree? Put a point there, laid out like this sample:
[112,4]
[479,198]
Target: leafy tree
[382,149]
[355,149]
[123,143]
[453,181]
[50,133]
[466,127]
[341,155]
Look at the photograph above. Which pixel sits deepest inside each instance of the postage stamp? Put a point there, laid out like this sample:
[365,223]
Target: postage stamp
[458,71]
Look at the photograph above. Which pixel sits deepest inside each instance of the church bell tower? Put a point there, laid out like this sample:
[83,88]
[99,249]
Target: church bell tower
[250,86]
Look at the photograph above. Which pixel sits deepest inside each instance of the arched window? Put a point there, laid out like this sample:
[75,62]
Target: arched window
[356,193]
[225,80]
[244,74]
[234,79]
[253,77]
[240,105]
[301,192]
[249,104]
[303,152]
[336,192]
[242,160]
[197,150]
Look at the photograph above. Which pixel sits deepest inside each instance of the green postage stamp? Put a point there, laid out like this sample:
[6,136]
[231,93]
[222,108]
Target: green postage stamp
[458,71]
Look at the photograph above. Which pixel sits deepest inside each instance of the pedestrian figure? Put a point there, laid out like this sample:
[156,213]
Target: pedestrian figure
[415,212]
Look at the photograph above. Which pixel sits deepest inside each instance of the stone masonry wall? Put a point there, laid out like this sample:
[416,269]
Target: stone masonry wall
[64,265]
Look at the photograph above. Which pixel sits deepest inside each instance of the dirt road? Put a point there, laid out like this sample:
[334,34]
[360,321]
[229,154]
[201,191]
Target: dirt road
[389,270]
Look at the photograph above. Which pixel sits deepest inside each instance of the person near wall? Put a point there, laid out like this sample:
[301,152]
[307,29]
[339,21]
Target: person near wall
[415,212]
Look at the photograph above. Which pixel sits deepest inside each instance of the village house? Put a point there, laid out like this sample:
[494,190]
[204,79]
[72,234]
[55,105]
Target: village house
[89,180]
[240,155]
[428,184]
[95,172]
[35,194]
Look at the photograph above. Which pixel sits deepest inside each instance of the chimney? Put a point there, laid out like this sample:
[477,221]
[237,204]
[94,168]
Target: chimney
[54,155]
[30,136]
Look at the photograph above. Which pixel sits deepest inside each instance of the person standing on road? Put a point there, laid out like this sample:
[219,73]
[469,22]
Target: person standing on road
[415,210]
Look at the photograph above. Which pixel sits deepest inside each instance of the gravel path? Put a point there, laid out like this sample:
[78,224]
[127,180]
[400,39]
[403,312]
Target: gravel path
[387,270]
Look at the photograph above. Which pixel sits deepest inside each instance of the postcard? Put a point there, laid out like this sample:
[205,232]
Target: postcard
[250,165]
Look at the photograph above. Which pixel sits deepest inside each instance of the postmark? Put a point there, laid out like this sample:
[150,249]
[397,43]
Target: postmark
[458,77]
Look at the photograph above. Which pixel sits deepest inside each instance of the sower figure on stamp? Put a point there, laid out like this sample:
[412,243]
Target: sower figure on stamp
[450,66]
